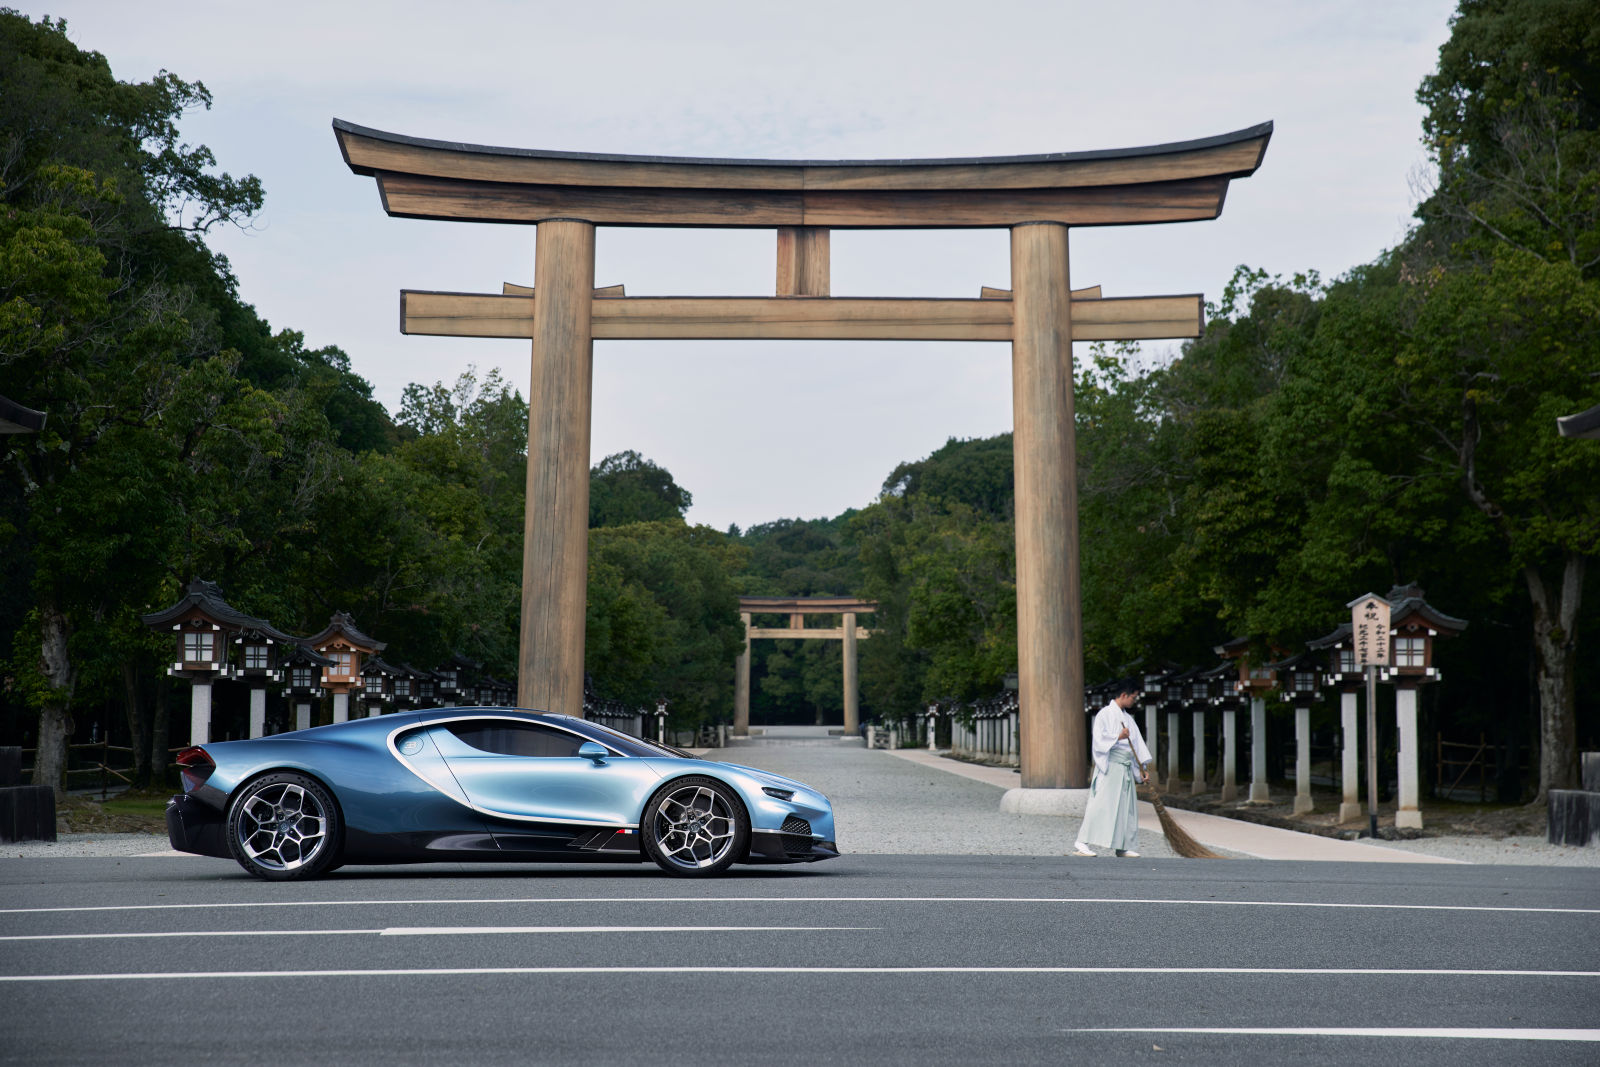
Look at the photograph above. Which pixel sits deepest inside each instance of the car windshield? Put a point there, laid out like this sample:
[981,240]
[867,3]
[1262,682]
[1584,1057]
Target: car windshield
[634,746]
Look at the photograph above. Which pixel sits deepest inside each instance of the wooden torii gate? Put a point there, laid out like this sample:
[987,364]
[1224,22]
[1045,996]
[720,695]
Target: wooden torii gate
[797,608]
[565,195]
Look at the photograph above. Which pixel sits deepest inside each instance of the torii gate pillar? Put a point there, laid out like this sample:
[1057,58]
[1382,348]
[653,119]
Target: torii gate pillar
[1044,455]
[555,545]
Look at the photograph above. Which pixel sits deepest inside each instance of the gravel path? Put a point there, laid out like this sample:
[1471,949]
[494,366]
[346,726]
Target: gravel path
[888,806]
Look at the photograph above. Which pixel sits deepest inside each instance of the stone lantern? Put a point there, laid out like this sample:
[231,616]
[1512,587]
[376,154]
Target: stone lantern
[347,647]
[1172,693]
[1152,689]
[1298,685]
[424,687]
[1221,683]
[1414,626]
[1197,698]
[302,670]
[1253,684]
[206,626]
[457,679]
[377,685]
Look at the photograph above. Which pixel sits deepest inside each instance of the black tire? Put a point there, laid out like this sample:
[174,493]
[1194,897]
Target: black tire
[283,827]
[695,827]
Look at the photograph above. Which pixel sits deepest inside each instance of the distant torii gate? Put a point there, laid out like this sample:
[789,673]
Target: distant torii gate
[567,194]
[797,608]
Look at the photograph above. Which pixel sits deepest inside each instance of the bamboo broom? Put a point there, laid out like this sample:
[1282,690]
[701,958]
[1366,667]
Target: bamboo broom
[1177,836]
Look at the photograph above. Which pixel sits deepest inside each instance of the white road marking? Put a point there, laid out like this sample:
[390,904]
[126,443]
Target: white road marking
[398,931]
[1476,1034]
[425,972]
[819,900]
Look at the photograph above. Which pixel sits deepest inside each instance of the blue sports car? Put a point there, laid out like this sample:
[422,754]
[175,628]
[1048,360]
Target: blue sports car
[489,784]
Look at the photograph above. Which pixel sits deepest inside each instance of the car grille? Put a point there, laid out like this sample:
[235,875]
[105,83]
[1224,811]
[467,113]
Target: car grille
[796,836]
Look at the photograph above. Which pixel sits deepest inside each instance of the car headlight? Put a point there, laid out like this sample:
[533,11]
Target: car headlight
[779,794]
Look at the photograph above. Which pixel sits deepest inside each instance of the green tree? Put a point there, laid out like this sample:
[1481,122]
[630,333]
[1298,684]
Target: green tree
[626,487]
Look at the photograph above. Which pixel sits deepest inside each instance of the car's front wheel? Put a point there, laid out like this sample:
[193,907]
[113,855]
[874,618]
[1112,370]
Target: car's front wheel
[284,826]
[695,826]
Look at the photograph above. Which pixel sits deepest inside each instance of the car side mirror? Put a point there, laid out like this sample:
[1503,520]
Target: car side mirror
[593,750]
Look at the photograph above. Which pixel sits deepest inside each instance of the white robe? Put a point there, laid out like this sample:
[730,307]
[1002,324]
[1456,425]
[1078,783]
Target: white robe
[1108,723]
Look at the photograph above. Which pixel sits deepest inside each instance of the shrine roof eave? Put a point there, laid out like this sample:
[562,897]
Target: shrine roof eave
[427,179]
[368,151]
[1583,424]
[806,605]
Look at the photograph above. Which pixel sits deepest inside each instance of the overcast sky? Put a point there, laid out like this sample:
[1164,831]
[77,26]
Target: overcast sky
[783,429]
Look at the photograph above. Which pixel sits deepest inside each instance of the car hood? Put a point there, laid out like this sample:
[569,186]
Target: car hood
[767,777]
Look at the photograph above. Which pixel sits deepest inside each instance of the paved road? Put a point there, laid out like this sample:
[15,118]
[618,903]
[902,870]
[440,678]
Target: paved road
[892,959]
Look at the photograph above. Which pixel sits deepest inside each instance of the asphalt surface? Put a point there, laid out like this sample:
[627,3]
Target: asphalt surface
[881,959]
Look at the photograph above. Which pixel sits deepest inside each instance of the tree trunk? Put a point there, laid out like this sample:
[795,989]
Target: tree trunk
[55,712]
[1555,643]
[138,724]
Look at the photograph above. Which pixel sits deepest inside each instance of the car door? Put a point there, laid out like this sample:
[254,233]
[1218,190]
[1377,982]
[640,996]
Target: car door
[535,789]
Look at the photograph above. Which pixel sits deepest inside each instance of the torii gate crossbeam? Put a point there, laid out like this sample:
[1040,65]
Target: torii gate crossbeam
[565,195]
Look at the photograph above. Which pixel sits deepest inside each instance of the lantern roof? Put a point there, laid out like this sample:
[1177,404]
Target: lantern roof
[342,625]
[1296,660]
[414,672]
[205,598]
[1225,669]
[374,665]
[298,652]
[1233,648]
[1339,636]
[1406,604]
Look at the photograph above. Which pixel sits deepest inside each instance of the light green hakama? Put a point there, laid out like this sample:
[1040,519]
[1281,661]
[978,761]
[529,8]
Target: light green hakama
[1111,819]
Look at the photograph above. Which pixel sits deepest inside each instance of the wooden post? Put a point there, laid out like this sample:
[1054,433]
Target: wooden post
[1407,812]
[1049,616]
[1259,792]
[741,684]
[1174,739]
[1198,785]
[555,554]
[1230,754]
[200,711]
[803,268]
[1302,760]
[1349,756]
[852,716]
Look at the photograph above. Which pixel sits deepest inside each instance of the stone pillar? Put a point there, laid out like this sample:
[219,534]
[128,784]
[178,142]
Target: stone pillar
[1258,751]
[555,549]
[200,711]
[933,732]
[1408,813]
[341,707]
[302,716]
[1013,750]
[1055,751]
[1302,760]
[741,684]
[1174,745]
[258,711]
[1350,758]
[1199,783]
[852,713]
[1152,741]
[1230,754]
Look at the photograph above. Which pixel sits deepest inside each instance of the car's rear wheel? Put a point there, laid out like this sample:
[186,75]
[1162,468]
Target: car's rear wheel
[284,826]
[695,827]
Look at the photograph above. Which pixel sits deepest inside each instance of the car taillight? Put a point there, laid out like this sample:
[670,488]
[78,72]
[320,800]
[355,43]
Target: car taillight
[194,767]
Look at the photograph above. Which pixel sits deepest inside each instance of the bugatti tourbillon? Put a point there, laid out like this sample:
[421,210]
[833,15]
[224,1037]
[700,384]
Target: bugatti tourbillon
[485,784]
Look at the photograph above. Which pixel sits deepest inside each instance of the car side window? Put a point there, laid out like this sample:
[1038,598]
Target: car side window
[515,738]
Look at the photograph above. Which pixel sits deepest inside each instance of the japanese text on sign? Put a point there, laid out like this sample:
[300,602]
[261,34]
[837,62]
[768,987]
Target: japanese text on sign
[1369,631]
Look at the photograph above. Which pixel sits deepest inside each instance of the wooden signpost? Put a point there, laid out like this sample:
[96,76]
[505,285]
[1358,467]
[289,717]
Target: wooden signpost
[565,195]
[1369,636]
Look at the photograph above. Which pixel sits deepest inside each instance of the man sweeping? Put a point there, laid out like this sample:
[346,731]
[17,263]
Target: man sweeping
[1111,819]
